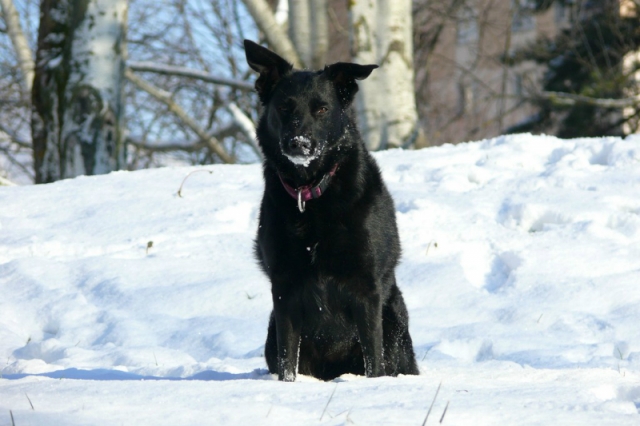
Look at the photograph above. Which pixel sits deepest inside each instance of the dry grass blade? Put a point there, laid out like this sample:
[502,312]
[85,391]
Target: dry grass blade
[13,423]
[444,412]
[187,177]
[30,403]
[328,402]
[431,407]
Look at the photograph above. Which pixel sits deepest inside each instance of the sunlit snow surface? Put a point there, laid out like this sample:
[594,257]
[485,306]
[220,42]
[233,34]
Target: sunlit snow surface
[520,270]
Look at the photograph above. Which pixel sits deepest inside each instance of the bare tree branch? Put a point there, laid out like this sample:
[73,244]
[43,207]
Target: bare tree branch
[188,72]
[568,99]
[166,99]
[276,37]
[246,126]
[6,182]
[166,146]
[229,130]
[9,155]
[14,138]
[23,52]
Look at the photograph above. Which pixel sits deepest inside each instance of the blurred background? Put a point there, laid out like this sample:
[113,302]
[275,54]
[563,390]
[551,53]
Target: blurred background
[92,86]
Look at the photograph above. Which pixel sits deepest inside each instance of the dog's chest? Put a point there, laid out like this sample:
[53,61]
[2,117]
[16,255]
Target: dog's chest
[323,303]
[317,247]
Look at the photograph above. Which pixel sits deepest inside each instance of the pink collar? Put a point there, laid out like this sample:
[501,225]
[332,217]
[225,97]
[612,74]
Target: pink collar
[308,192]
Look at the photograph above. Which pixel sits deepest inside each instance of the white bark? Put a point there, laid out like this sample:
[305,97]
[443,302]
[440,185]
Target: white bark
[364,50]
[395,32]
[6,182]
[381,33]
[19,41]
[276,36]
[320,25]
[630,63]
[77,119]
[96,76]
[300,29]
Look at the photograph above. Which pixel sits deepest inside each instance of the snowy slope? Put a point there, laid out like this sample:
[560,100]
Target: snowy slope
[520,269]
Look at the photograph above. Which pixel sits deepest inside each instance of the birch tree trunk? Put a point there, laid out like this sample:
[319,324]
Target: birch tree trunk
[77,116]
[19,41]
[300,29]
[381,33]
[275,35]
[308,40]
[309,31]
[320,28]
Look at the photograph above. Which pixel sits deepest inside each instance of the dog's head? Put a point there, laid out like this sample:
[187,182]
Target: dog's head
[306,113]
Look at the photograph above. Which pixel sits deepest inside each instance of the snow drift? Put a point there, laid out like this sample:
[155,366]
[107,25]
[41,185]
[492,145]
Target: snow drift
[122,302]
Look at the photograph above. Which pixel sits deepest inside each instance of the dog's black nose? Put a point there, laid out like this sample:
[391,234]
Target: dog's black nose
[300,144]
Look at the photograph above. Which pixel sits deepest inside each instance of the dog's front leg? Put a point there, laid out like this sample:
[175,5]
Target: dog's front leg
[288,337]
[368,316]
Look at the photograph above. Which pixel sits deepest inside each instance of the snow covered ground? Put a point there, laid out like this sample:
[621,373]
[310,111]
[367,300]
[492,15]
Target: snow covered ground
[123,303]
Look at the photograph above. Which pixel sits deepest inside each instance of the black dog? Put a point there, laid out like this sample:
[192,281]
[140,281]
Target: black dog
[327,237]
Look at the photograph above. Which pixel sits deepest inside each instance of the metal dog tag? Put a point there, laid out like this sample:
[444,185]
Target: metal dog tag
[301,203]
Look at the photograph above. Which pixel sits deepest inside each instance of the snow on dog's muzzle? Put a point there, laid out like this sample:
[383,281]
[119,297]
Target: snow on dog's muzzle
[301,151]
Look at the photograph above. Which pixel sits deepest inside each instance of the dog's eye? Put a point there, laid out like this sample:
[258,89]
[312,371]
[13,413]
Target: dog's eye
[322,110]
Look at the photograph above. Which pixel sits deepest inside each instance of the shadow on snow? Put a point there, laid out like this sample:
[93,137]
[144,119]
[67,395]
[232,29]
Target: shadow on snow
[104,374]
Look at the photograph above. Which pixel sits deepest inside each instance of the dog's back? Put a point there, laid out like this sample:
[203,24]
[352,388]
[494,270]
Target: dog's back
[330,256]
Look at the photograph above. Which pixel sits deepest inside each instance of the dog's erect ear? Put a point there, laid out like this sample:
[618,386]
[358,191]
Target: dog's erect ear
[343,71]
[344,76]
[270,66]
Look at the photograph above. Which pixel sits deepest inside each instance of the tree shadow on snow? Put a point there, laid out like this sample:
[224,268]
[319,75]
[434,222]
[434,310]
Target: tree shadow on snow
[104,374]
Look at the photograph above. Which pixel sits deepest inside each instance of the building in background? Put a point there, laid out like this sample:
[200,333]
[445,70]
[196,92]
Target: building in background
[466,91]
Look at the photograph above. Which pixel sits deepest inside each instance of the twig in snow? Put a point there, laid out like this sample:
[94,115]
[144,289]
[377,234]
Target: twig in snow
[348,419]
[187,176]
[150,244]
[540,318]
[444,412]
[432,402]
[156,359]
[425,354]
[13,423]
[435,244]
[328,402]
[30,403]
[269,412]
